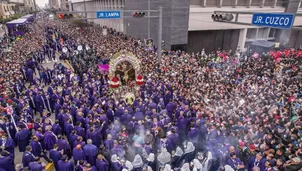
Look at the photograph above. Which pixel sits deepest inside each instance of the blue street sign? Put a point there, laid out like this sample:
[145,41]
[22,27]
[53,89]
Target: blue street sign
[108,14]
[280,21]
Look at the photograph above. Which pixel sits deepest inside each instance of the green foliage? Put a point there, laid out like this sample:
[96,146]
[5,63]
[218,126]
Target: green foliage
[10,18]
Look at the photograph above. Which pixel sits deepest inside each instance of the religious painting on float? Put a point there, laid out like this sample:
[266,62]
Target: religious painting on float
[125,72]
[125,66]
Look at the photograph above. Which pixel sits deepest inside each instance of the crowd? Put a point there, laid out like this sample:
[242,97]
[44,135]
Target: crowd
[222,111]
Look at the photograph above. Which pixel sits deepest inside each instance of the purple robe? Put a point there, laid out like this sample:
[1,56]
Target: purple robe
[55,156]
[27,158]
[102,165]
[7,163]
[9,145]
[36,148]
[115,166]
[80,131]
[56,129]
[65,166]
[49,140]
[63,145]
[90,151]
[23,137]
[35,166]
[109,144]
[78,154]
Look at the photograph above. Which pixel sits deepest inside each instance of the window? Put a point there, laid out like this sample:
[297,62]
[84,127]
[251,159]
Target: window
[262,33]
[272,33]
[251,33]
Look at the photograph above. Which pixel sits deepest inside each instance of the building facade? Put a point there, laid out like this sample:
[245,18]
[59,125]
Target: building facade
[64,5]
[54,4]
[29,5]
[210,35]
[6,9]
[175,18]
[187,24]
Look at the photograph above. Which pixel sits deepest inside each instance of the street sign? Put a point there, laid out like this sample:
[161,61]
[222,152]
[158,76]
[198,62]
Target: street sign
[280,21]
[108,14]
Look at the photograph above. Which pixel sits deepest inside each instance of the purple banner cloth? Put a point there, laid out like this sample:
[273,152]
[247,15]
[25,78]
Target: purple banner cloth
[104,67]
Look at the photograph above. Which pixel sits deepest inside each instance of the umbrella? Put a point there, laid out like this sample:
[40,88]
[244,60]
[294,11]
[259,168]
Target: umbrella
[139,80]
[114,83]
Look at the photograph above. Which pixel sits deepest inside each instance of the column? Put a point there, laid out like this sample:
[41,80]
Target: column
[249,3]
[203,3]
[274,4]
[242,38]
[235,3]
[257,31]
[219,3]
[262,4]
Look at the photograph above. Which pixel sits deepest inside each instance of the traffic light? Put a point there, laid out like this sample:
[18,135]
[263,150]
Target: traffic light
[65,16]
[139,14]
[223,17]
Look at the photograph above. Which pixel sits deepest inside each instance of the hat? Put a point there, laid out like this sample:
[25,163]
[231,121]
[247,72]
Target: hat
[252,147]
[241,144]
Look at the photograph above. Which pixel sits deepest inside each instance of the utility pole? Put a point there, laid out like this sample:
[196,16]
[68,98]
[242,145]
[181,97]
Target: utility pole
[160,36]
[85,8]
[149,4]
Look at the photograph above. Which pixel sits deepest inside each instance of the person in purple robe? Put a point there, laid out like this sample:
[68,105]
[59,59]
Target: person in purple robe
[30,75]
[89,167]
[36,165]
[101,163]
[72,138]
[235,162]
[126,118]
[7,143]
[95,134]
[55,155]
[78,154]
[139,115]
[108,143]
[23,137]
[193,135]
[79,129]
[79,141]
[173,137]
[36,146]
[27,156]
[64,164]
[6,161]
[115,163]
[56,129]
[49,138]
[68,127]
[257,160]
[40,103]
[119,112]
[110,113]
[63,145]
[90,151]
